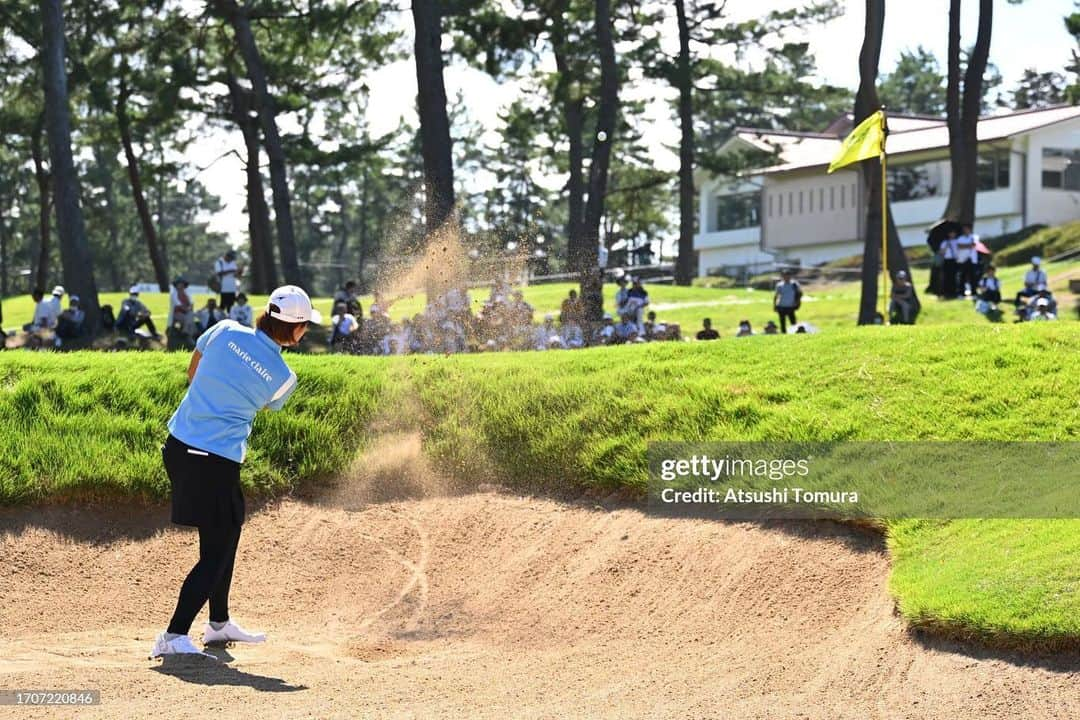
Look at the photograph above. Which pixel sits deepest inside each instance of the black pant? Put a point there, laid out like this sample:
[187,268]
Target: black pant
[948,278]
[130,325]
[227,301]
[210,579]
[967,276]
[785,313]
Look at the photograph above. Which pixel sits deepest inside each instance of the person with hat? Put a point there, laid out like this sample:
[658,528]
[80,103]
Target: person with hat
[227,271]
[56,302]
[787,298]
[1033,278]
[70,323]
[134,315]
[235,372]
[902,308]
[1044,310]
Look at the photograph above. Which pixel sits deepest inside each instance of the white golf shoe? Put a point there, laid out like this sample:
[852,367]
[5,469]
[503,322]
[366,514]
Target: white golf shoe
[179,645]
[230,632]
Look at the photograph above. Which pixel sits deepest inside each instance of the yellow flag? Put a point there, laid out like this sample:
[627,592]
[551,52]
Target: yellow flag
[867,140]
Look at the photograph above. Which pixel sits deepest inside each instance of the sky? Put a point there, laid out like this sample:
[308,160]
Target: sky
[1028,35]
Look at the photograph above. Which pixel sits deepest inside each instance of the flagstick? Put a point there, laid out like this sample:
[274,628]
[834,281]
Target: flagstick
[884,226]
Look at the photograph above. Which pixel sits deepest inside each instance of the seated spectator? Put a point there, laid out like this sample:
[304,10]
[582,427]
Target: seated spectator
[56,301]
[546,334]
[706,332]
[772,328]
[571,335]
[134,315]
[902,305]
[605,334]
[1042,310]
[342,324]
[1033,278]
[380,306]
[43,312]
[350,295]
[70,323]
[626,330]
[990,286]
[208,317]
[241,312]
[744,329]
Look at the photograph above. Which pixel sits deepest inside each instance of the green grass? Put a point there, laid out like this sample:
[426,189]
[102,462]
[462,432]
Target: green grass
[833,305]
[89,424]
[1046,242]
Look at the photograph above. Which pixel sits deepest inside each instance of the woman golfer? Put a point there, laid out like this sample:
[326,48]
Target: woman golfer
[235,371]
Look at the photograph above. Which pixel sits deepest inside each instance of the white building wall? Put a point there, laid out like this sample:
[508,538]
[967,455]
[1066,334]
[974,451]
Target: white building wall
[809,209]
[1051,206]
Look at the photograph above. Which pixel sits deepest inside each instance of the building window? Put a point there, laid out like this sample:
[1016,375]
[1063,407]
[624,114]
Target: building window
[914,182]
[741,210]
[843,191]
[992,171]
[770,206]
[821,200]
[800,202]
[832,198]
[1061,169]
[790,203]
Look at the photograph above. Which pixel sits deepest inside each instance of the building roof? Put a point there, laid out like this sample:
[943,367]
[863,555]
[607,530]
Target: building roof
[907,134]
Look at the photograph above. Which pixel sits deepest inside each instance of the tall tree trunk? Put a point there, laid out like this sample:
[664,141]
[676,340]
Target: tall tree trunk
[435,141]
[866,103]
[3,255]
[568,90]
[279,179]
[41,175]
[963,111]
[105,162]
[363,232]
[686,263]
[146,220]
[591,281]
[343,238]
[74,250]
[263,270]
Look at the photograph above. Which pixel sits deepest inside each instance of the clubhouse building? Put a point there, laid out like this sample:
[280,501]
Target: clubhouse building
[795,213]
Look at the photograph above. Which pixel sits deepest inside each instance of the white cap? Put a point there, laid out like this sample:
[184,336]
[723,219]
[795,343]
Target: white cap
[1040,287]
[294,305]
[1042,302]
[134,289]
[58,290]
[1036,260]
[73,298]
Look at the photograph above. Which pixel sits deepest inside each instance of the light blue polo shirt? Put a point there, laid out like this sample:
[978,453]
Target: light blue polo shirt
[241,372]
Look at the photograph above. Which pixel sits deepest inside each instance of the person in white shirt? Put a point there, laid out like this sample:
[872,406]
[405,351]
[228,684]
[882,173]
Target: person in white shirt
[241,312]
[56,301]
[227,271]
[966,260]
[605,335]
[546,334]
[1043,311]
[571,335]
[342,324]
[948,265]
[45,314]
[134,315]
[1033,278]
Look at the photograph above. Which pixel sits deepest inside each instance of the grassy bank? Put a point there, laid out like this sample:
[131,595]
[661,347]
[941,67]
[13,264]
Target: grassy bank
[91,424]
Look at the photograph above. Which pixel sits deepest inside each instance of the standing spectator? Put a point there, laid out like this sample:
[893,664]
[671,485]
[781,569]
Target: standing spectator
[637,299]
[181,309]
[571,309]
[134,315]
[350,295]
[787,298]
[902,307]
[948,265]
[241,312]
[342,324]
[227,271]
[966,260]
[990,286]
[1033,278]
[601,255]
[208,317]
[621,295]
[706,332]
